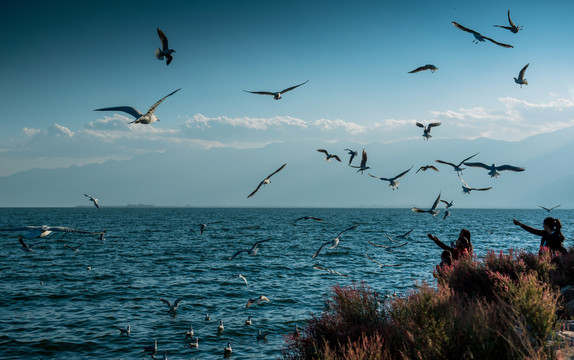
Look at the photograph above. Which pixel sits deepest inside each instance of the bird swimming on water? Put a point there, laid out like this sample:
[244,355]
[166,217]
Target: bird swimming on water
[165,51]
[276,95]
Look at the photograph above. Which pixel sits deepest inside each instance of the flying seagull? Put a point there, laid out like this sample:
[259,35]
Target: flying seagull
[276,95]
[174,306]
[446,213]
[165,51]
[363,165]
[512,27]
[240,277]
[44,230]
[427,167]
[430,67]
[252,251]
[521,80]
[493,169]
[478,37]
[266,180]
[433,211]
[447,204]
[317,267]
[549,209]
[352,153]
[427,129]
[202,228]
[147,118]
[307,218]
[393,183]
[328,156]
[380,264]
[26,247]
[256,300]
[74,248]
[334,243]
[457,168]
[466,189]
[94,200]
[405,235]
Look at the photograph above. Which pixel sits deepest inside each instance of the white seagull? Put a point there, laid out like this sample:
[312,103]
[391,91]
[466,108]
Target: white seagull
[240,277]
[228,350]
[147,118]
[151,349]
[430,67]
[126,331]
[427,129]
[276,95]
[220,327]
[478,37]
[466,189]
[433,211]
[549,209]
[189,333]
[256,300]
[335,242]
[331,271]
[393,183]
[328,156]
[493,169]
[194,345]
[363,165]
[44,230]
[521,79]
[352,153]
[249,321]
[165,51]
[457,167]
[172,307]
[266,180]
[380,264]
[252,251]
[446,213]
[94,200]
[513,28]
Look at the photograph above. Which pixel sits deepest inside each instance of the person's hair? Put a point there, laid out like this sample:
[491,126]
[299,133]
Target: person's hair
[550,222]
[466,234]
[446,256]
[557,225]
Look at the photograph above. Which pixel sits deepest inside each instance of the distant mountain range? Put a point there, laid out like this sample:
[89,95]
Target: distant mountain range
[224,177]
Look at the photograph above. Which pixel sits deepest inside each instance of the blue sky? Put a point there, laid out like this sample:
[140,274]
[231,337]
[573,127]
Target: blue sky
[63,59]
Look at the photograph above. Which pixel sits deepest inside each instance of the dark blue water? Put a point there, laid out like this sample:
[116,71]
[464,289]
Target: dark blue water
[52,306]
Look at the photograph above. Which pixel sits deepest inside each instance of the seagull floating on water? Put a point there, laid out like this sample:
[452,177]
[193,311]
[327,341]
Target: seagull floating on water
[363,165]
[207,317]
[165,51]
[151,349]
[513,28]
[276,95]
[430,67]
[249,321]
[393,183]
[306,218]
[457,167]
[227,351]
[261,336]
[94,200]
[194,345]
[126,331]
[172,307]
[74,248]
[352,153]
[493,169]
[189,333]
[427,129]
[466,189]
[478,37]
[44,230]
[521,79]
[335,242]
[427,167]
[256,300]
[252,251]
[147,118]
[220,327]
[433,211]
[328,156]
[549,209]
[266,180]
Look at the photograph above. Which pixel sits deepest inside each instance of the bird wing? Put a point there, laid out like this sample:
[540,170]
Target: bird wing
[417,210]
[169,59]
[420,68]
[321,248]
[70,230]
[378,263]
[23,243]
[154,106]
[254,191]
[244,279]
[461,179]
[292,87]
[509,20]
[481,189]
[477,164]
[468,158]
[351,228]
[263,298]
[445,162]
[498,43]
[376,177]
[165,301]
[504,27]
[509,168]
[323,151]
[434,168]
[377,245]
[364,158]
[397,246]
[91,197]
[276,171]
[545,208]
[315,218]
[552,208]
[464,28]
[96,203]
[237,253]
[420,125]
[127,109]
[435,204]
[434,124]
[444,201]
[163,39]
[176,303]
[402,174]
[406,234]
[24,228]
[257,244]
[521,74]
[79,246]
[336,158]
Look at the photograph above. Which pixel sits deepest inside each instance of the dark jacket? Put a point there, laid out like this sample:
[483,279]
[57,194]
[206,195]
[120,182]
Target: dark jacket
[552,240]
[456,253]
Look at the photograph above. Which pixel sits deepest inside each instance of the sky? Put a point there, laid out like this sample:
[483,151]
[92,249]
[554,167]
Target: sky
[64,59]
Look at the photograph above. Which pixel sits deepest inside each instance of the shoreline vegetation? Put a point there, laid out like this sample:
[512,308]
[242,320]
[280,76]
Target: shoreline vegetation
[504,305]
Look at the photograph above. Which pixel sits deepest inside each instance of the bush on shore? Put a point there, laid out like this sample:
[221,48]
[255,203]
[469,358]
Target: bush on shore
[502,306]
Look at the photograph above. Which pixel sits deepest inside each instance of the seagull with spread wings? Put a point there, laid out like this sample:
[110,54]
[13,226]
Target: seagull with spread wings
[393,182]
[74,248]
[433,211]
[307,218]
[363,165]
[457,167]
[251,251]
[447,204]
[328,156]
[430,67]
[549,209]
[266,180]
[147,118]
[256,300]
[331,271]
[521,79]
[44,230]
[353,153]
[165,51]
[466,189]
[493,169]
[276,95]
[380,264]
[94,200]
[478,37]
[172,307]
[427,129]
[513,28]
[335,242]
[427,167]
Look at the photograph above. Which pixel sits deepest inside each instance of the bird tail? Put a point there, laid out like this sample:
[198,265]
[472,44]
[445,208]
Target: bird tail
[524,82]
[158,54]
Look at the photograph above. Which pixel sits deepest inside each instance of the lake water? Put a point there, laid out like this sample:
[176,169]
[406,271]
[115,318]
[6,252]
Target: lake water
[53,307]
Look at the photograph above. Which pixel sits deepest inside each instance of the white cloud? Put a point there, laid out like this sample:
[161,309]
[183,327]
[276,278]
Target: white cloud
[329,125]
[30,131]
[201,121]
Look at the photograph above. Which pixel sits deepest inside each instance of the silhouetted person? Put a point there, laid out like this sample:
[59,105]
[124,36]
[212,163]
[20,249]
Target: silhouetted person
[462,247]
[551,234]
